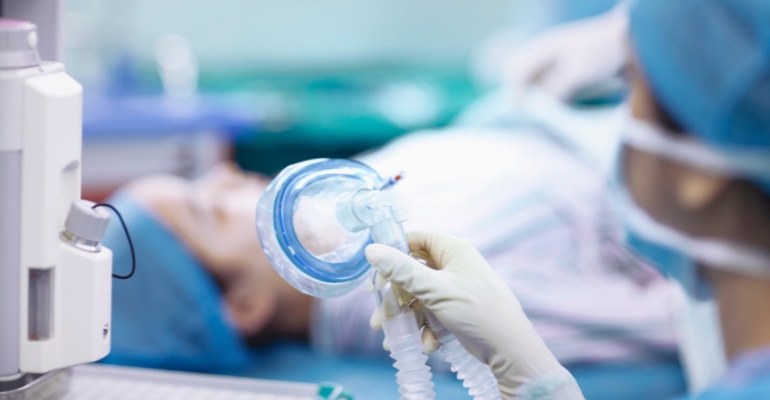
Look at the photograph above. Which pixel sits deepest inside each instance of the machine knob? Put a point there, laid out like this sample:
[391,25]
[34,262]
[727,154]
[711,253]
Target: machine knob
[18,44]
[86,223]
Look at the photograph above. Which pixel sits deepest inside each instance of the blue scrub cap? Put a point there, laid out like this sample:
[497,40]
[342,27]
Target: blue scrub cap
[170,313]
[708,63]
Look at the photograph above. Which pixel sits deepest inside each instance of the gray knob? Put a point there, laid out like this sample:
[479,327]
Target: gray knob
[87,223]
[18,44]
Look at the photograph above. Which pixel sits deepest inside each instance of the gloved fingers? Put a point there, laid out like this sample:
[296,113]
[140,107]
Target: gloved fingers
[429,341]
[369,286]
[424,258]
[378,282]
[403,270]
[376,320]
[441,247]
[385,344]
[419,312]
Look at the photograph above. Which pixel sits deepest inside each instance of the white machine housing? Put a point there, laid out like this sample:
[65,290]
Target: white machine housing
[57,311]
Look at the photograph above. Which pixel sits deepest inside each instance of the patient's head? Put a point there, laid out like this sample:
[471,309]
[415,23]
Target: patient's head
[214,217]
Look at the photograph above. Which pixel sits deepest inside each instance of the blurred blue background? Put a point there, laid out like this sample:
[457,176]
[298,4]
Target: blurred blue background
[173,86]
[267,83]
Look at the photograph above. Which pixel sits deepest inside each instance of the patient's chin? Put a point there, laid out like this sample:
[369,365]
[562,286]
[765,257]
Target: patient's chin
[268,336]
[251,309]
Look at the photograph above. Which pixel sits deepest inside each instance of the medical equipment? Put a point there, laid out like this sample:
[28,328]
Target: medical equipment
[55,277]
[98,381]
[314,222]
[476,376]
[479,308]
[112,382]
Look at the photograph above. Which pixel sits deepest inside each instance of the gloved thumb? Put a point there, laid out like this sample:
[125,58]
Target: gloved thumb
[403,270]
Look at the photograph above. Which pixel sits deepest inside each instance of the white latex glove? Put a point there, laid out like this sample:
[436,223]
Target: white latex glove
[468,297]
[570,57]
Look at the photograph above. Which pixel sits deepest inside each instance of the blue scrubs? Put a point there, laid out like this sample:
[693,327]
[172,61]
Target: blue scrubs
[748,378]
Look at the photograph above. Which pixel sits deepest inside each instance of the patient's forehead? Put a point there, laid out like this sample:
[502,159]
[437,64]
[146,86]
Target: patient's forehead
[157,189]
[228,176]
[223,188]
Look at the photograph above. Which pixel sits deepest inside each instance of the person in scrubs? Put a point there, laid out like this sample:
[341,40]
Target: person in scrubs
[692,184]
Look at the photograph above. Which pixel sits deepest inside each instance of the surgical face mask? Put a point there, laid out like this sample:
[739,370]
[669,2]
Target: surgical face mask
[676,253]
[642,233]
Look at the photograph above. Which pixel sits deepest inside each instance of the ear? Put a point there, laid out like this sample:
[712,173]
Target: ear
[695,189]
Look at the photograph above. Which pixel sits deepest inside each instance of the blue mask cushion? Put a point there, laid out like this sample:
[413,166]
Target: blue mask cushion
[170,314]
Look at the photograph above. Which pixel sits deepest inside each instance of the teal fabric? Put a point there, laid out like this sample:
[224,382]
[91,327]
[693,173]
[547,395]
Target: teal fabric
[708,63]
[170,313]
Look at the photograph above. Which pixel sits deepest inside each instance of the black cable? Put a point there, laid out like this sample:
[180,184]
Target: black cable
[130,243]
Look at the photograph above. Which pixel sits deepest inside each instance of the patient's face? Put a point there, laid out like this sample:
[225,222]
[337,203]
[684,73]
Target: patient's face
[220,217]
[214,216]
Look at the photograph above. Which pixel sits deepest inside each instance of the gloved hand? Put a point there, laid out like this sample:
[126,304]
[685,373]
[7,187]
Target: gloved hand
[466,295]
[570,57]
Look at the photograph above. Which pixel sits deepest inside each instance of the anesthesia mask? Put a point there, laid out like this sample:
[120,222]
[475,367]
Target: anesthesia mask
[312,223]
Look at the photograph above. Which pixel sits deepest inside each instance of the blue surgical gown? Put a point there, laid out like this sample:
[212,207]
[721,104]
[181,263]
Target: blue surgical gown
[748,378]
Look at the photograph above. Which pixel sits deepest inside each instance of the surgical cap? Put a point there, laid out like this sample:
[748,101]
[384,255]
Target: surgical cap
[170,314]
[708,63]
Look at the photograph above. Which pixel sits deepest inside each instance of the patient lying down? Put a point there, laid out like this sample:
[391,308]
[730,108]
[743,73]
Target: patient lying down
[537,213]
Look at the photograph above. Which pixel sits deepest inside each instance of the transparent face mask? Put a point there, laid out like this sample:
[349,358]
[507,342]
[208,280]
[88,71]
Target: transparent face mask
[299,228]
[314,222]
